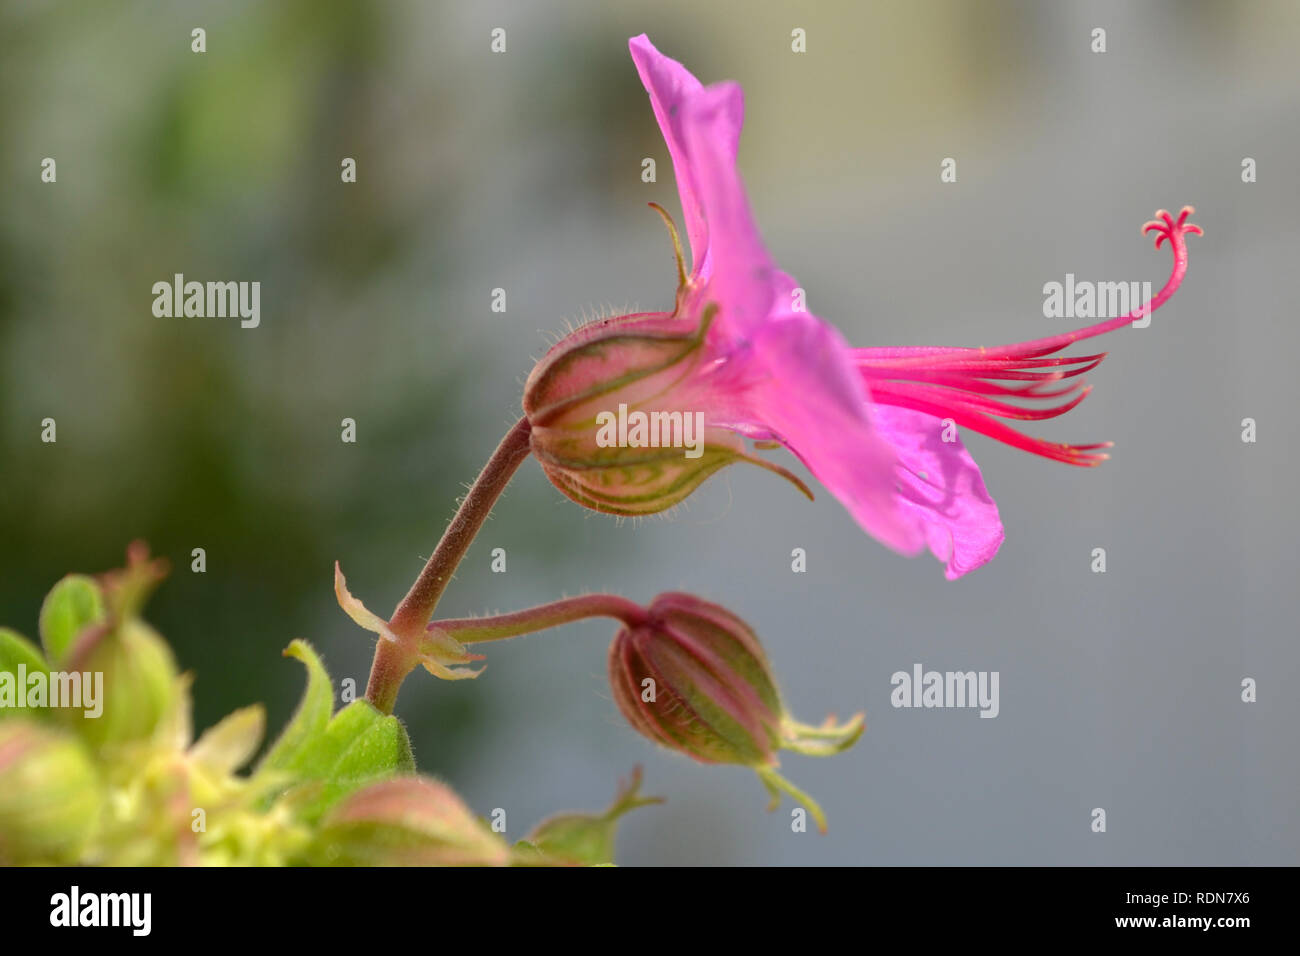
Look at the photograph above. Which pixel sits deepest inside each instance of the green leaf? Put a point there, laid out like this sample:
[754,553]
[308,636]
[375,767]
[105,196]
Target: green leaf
[359,746]
[312,716]
[15,650]
[72,605]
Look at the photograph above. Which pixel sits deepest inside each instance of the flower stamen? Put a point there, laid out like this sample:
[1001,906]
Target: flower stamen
[952,383]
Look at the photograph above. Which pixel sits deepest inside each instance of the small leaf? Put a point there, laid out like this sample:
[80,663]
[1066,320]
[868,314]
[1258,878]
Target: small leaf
[313,713]
[359,746]
[16,650]
[71,606]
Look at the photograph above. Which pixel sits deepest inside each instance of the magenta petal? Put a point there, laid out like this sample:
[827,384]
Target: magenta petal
[745,284]
[810,396]
[670,85]
[788,375]
[940,487]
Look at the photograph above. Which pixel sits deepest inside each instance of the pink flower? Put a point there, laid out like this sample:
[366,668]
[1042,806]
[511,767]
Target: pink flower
[877,426]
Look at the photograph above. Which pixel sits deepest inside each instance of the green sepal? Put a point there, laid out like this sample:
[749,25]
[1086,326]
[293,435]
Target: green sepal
[72,605]
[582,839]
[825,740]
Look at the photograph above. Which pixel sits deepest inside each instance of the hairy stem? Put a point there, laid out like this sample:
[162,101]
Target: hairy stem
[476,630]
[415,610]
[394,659]
[391,664]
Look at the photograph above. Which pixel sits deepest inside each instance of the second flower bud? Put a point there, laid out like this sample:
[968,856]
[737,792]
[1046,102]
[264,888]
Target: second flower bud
[693,677]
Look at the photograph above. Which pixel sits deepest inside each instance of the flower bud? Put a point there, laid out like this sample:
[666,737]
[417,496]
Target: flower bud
[585,839]
[620,415]
[140,683]
[694,678]
[407,821]
[50,795]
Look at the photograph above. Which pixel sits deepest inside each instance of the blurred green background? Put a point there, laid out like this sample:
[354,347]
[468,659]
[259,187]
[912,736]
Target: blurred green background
[522,171]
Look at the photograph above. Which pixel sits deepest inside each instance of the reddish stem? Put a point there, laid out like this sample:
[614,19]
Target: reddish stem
[394,659]
[415,610]
[475,630]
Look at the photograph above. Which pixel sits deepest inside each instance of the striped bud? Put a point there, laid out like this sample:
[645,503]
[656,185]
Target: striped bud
[693,677]
[621,416]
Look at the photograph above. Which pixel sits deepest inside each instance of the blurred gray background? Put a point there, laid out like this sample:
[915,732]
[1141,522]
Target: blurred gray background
[1118,690]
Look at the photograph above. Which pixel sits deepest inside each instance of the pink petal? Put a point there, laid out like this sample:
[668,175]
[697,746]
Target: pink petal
[670,86]
[788,374]
[746,284]
[812,399]
[941,489]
